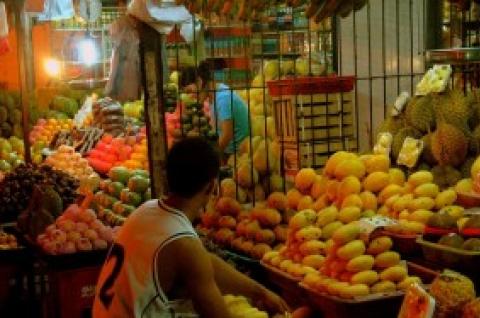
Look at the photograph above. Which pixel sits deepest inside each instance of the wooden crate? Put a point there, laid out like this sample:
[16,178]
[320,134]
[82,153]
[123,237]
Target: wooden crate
[314,127]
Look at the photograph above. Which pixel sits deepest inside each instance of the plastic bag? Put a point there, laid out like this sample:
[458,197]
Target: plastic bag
[57,10]
[4,45]
[124,80]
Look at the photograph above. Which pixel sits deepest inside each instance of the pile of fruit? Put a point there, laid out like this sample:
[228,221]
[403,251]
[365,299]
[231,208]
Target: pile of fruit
[74,231]
[454,296]
[239,307]
[10,114]
[65,105]
[252,232]
[108,115]
[67,160]
[17,187]
[46,129]
[134,109]
[11,153]
[448,123]
[458,241]
[119,195]
[7,241]
[113,151]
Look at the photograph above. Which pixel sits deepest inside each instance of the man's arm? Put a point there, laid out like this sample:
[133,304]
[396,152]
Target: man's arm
[194,269]
[232,281]
[227,134]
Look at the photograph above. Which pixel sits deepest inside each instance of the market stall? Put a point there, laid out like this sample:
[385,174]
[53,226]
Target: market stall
[345,203]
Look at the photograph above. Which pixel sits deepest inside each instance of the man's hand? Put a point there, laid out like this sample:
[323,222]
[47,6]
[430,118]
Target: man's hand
[271,302]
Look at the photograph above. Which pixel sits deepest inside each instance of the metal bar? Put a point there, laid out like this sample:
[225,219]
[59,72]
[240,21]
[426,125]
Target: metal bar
[152,60]
[26,69]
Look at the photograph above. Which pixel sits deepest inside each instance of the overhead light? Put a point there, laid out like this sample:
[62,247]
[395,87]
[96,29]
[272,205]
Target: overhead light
[52,67]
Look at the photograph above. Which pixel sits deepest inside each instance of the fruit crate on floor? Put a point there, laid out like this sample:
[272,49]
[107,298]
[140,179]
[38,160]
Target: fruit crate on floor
[314,118]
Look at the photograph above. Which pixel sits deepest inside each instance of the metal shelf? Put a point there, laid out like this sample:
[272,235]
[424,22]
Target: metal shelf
[453,56]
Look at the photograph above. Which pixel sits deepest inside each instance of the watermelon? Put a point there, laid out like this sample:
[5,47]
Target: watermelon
[138,184]
[120,174]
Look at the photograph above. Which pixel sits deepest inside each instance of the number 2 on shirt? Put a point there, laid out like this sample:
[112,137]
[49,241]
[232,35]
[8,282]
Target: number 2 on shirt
[118,255]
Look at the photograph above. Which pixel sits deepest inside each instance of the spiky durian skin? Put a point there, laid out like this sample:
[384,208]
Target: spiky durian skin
[420,113]
[400,136]
[449,145]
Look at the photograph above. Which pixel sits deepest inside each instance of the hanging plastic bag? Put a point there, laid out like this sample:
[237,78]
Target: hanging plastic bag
[4,45]
[124,80]
[57,10]
[90,10]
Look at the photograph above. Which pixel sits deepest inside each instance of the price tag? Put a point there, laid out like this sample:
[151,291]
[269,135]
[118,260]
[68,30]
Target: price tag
[417,303]
[369,225]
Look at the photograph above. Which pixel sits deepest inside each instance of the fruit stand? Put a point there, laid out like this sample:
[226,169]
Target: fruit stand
[303,205]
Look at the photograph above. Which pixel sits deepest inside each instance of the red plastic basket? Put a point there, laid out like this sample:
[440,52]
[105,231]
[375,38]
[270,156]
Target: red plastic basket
[311,85]
[437,231]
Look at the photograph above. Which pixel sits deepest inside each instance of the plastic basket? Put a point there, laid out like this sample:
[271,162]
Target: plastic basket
[311,85]
[449,257]
[405,244]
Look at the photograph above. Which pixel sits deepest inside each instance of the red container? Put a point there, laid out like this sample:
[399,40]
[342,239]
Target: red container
[72,292]
[311,85]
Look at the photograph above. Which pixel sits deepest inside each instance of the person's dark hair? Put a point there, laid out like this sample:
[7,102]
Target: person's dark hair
[191,164]
[190,74]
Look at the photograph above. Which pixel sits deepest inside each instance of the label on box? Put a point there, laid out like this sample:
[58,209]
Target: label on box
[369,225]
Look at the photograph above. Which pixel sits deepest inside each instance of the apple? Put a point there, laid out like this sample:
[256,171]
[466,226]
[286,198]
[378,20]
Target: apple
[96,225]
[66,225]
[106,234]
[87,216]
[50,229]
[100,244]
[90,234]
[41,239]
[68,248]
[84,244]
[81,227]
[73,236]
[59,236]
[50,247]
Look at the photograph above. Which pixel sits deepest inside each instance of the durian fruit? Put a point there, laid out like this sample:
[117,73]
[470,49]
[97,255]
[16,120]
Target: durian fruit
[466,167]
[427,154]
[454,108]
[400,136]
[472,309]
[449,145]
[445,176]
[474,142]
[451,291]
[420,114]
[391,125]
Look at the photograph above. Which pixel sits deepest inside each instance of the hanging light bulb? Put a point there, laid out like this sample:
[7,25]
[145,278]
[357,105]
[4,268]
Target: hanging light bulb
[52,67]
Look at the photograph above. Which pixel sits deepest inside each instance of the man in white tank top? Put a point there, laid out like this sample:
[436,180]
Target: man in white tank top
[158,267]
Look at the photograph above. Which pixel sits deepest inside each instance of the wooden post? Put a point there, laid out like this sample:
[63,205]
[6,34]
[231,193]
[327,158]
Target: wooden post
[23,23]
[152,62]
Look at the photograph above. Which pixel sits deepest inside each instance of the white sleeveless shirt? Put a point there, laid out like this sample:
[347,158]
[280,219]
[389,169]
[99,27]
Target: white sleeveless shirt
[128,285]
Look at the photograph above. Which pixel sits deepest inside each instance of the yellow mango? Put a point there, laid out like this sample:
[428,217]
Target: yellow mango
[404,215]
[379,245]
[315,261]
[376,163]
[407,282]
[329,229]
[335,160]
[357,290]
[327,216]
[376,181]
[352,200]
[396,176]
[394,274]
[455,211]
[464,185]
[366,277]
[308,233]
[351,250]
[349,214]
[430,190]
[423,203]
[383,287]
[349,185]
[402,203]
[445,198]
[388,192]
[383,210]
[346,233]
[336,288]
[360,263]
[387,259]
[420,177]
[391,201]
[350,167]
[312,247]
[421,216]
[369,200]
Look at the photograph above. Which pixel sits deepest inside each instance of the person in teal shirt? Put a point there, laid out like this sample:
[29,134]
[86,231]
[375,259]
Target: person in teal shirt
[229,111]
